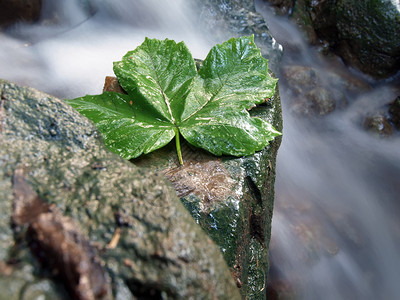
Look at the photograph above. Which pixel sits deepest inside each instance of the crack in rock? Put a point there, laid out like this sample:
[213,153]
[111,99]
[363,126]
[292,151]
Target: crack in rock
[58,244]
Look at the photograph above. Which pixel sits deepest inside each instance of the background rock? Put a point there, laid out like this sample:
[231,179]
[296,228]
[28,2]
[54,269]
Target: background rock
[318,92]
[12,11]
[385,120]
[365,34]
[394,113]
[126,221]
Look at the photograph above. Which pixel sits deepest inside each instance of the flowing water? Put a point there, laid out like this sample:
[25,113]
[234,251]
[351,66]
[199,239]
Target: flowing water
[71,50]
[335,227]
[335,230]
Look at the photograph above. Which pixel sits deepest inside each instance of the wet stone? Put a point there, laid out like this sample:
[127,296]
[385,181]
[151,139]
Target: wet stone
[87,224]
[379,125]
[318,92]
[12,11]
[365,34]
[230,198]
[394,113]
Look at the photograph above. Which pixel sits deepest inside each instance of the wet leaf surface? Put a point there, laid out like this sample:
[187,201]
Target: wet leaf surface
[167,97]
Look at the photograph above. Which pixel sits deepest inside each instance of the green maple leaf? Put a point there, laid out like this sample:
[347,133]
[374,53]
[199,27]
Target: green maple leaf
[167,97]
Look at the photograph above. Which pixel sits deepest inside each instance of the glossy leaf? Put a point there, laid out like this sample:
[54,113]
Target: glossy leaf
[168,97]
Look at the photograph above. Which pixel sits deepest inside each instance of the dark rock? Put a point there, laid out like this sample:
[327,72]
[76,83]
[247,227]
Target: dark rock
[12,11]
[282,7]
[230,198]
[369,36]
[365,34]
[378,124]
[87,223]
[394,113]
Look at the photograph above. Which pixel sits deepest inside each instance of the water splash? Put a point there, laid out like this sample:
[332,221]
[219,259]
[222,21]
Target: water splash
[396,3]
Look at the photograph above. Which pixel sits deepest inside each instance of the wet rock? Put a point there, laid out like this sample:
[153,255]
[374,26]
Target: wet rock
[383,121]
[282,7]
[230,198]
[300,78]
[321,100]
[378,124]
[57,243]
[394,113]
[369,36]
[318,92]
[12,11]
[86,223]
[365,34]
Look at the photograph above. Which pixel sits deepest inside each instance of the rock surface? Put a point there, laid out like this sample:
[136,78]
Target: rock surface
[385,120]
[365,34]
[230,198]
[78,221]
[394,113]
[19,10]
[318,92]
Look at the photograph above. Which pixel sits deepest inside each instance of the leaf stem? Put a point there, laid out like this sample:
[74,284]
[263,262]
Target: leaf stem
[178,145]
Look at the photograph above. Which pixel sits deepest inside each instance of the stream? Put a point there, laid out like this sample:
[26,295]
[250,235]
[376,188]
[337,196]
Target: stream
[335,231]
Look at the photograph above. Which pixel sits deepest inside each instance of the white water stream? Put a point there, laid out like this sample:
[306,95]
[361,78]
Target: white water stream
[70,52]
[336,229]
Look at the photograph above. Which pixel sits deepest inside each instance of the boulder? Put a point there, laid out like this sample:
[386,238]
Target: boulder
[230,198]
[19,10]
[394,113]
[80,222]
[365,34]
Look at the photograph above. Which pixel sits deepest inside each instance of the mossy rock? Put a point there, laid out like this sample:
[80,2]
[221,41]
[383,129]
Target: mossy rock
[80,222]
[365,34]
